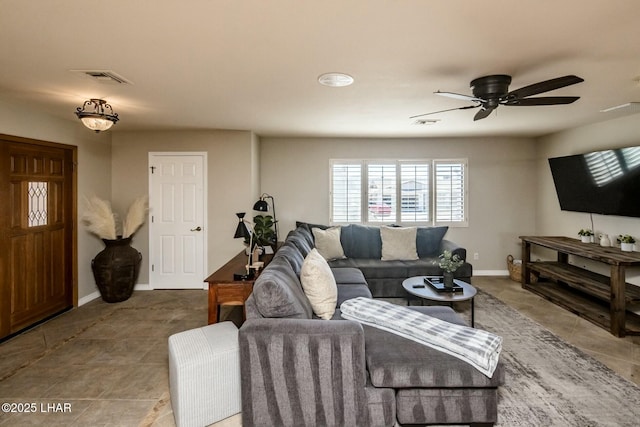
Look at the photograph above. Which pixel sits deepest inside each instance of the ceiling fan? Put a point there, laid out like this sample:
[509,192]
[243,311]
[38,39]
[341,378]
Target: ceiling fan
[489,92]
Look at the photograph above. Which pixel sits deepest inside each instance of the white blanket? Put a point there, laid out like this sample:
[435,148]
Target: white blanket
[479,348]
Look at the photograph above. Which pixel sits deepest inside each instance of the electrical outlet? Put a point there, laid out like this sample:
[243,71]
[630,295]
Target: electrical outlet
[476,255]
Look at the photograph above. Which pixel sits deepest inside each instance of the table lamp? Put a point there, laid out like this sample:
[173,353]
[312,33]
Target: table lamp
[244,230]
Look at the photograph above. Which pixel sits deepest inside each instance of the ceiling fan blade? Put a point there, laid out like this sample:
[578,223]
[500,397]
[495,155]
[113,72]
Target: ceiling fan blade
[484,113]
[544,100]
[458,96]
[444,111]
[545,86]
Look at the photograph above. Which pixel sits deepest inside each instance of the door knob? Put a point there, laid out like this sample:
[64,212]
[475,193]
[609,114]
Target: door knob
[198,228]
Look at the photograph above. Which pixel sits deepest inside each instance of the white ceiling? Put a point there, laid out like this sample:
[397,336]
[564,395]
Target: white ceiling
[253,64]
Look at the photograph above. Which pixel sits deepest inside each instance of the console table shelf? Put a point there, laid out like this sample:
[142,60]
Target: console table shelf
[586,281]
[601,299]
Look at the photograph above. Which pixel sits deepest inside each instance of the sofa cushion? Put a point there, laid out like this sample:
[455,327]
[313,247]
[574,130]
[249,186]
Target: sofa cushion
[328,242]
[398,243]
[447,406]
[300,240]
[349,291]
[310,226]
[348,276]
[277,292]
[375,269]
[319,285]
[428,240]
[361,241]
[291,254]
[394,361]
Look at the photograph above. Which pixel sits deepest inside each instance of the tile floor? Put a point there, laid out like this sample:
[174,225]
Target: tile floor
[106,364]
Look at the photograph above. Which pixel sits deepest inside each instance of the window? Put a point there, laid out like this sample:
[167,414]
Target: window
[37,194]
[346,192]
[399,191]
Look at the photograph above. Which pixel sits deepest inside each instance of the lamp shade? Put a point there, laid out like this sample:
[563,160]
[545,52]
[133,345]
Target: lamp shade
[97,124]
[241,229]
[261,206]
[97,115]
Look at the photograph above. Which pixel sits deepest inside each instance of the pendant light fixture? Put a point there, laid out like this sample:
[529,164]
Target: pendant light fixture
[97,115]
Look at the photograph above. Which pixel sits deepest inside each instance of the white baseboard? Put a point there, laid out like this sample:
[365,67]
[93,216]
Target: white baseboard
[88,298]
[95,295]
[491,273]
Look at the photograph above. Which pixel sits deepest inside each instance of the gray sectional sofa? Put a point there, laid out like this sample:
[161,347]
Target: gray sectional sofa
[298,369]
[363,249]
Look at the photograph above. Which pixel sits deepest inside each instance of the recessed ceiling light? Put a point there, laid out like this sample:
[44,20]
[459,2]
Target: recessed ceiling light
[335,79]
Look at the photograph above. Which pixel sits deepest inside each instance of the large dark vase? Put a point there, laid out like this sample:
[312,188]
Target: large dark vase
[448,279]
[116,269]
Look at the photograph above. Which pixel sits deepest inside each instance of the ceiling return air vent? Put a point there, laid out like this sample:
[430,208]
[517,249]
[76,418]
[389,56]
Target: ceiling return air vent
[104,76]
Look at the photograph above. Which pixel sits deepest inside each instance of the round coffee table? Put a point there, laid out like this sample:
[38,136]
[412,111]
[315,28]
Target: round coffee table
[417,287]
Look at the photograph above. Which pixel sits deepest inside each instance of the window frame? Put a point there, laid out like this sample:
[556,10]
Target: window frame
[433,204]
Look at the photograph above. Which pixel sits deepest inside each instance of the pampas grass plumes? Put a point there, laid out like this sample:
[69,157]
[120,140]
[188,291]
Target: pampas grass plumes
[136,215]
[99,218]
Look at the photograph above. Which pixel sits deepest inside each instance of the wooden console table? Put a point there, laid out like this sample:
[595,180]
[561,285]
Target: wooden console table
[224,290]
[598,298]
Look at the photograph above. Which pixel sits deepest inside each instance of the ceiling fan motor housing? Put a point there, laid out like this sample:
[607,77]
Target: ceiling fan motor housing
[491,88]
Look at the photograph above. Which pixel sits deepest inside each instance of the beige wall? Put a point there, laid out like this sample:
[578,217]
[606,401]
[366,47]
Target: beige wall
[511,191]
[502,174]
[94,169]
[621,132]
[616,133]
[232,182]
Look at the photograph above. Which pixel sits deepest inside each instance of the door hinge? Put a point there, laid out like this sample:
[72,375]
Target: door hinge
[153,168]
[153,267]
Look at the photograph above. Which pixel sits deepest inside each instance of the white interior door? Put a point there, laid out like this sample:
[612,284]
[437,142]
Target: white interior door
[177,220]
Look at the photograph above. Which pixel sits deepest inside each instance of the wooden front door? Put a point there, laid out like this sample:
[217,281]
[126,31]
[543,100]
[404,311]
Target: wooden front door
[37,215]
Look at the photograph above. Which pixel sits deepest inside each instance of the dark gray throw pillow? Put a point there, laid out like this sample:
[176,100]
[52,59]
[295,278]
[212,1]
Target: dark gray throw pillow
[361,241]
[428,240]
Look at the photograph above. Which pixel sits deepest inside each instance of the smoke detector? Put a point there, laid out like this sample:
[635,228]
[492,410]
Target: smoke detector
[335,79]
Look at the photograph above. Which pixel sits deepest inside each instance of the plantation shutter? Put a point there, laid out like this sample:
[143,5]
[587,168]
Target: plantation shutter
[415,195]
[381,184]
[450,192]
[346,192]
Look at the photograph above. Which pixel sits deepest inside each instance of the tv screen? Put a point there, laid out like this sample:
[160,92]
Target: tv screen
[603,182]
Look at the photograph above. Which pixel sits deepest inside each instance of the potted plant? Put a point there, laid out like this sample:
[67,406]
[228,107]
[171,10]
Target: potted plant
[626,242]
[116,267]
[449,263]
[264,234]
[586,235]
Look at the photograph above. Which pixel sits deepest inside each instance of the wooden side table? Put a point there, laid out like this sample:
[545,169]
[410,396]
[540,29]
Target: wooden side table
[224,290]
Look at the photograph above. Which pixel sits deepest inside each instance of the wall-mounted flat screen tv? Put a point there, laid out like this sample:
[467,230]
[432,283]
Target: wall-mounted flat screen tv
[602,182]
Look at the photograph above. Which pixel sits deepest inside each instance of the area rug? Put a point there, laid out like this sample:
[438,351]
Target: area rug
[549,382]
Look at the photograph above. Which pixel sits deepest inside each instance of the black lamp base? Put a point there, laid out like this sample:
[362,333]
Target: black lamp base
[244,276]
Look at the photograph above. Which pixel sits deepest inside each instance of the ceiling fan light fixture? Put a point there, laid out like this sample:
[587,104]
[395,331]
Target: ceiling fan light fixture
[335,79]
[97,115]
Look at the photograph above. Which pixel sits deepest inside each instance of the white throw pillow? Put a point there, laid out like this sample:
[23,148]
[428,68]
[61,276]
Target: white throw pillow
[398,243]
[328,242]
[319,285]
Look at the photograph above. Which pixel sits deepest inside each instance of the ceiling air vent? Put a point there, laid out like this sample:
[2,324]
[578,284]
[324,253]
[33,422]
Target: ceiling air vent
[629,107]
[104,76]
[426,122]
